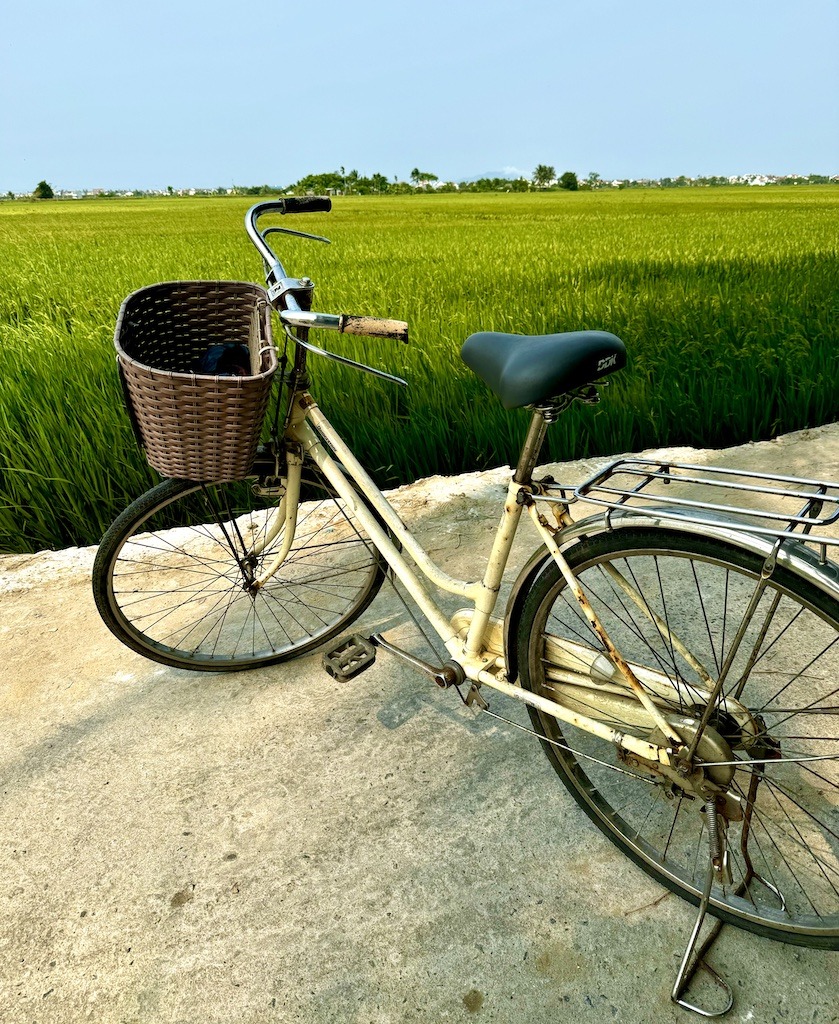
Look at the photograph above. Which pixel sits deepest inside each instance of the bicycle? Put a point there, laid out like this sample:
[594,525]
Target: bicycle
[677,655]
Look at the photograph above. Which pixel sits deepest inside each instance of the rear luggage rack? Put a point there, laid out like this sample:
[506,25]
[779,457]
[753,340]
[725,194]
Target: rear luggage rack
[778,506]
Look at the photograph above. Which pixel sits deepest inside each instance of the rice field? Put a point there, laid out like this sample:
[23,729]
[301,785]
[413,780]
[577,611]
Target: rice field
[727,299]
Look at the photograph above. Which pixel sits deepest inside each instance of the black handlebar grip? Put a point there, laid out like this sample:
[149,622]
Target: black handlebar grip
[307,204]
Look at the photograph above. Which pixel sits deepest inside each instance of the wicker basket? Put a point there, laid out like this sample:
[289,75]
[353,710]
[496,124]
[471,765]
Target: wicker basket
[196,425]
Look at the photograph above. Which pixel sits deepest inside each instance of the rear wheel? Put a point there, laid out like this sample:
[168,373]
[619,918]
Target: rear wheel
[171,577]
[676,606]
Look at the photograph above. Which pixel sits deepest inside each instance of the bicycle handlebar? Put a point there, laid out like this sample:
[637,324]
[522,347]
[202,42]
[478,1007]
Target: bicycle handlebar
[374,327]
[281,285]
[307,204]
[291,204]
[345,323]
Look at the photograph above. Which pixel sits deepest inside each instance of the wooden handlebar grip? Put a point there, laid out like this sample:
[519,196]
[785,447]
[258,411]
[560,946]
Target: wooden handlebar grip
[374,327]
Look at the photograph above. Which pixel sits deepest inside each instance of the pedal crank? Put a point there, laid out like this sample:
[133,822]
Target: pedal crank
[448,674]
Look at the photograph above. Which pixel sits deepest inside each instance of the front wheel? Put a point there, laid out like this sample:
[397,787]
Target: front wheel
[675,605]
[172,575]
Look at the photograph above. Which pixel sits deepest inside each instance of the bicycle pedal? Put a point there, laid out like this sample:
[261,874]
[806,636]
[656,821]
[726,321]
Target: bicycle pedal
[352,655]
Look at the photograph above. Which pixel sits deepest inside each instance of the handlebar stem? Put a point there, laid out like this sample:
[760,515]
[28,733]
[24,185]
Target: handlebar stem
[293,294]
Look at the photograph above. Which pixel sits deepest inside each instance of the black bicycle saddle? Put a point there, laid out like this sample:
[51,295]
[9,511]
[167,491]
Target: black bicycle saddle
[531,369]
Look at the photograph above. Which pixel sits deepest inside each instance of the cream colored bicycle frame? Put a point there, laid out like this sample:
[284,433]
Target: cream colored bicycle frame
[474,654]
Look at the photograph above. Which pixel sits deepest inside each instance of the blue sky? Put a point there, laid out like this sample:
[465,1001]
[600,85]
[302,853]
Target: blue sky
[208,94]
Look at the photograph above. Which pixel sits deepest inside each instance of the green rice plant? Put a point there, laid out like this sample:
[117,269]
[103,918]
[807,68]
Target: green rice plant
[726,299]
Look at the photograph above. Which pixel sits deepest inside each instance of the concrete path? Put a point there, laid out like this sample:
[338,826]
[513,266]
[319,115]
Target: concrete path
[274,846]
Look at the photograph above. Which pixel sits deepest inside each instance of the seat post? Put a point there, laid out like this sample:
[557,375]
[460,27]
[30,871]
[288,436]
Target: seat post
[531,448]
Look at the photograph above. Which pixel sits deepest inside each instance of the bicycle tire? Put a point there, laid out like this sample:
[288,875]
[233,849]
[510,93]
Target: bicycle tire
[168,576]
[696,586]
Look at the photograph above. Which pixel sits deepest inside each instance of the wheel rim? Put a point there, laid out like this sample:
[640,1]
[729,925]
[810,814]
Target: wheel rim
[179,584]
[790,824]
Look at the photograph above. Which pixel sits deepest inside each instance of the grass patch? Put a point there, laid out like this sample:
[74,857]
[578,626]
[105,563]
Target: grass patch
[727,300]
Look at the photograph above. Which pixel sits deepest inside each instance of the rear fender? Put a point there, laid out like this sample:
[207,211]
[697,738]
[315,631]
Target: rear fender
[793,554]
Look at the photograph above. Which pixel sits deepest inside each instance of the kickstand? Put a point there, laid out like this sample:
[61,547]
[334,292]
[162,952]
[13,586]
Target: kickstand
[688,969]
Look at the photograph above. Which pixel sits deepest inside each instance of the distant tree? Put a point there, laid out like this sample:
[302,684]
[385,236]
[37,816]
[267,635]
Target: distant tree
[419,177]
[593,179]
[320,184]
[43,190]
[379,183]
[569,181]
[543,175]
[495,185]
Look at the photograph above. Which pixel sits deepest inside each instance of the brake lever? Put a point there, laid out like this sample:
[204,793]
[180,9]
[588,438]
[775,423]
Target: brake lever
[290,231]
[346,362]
